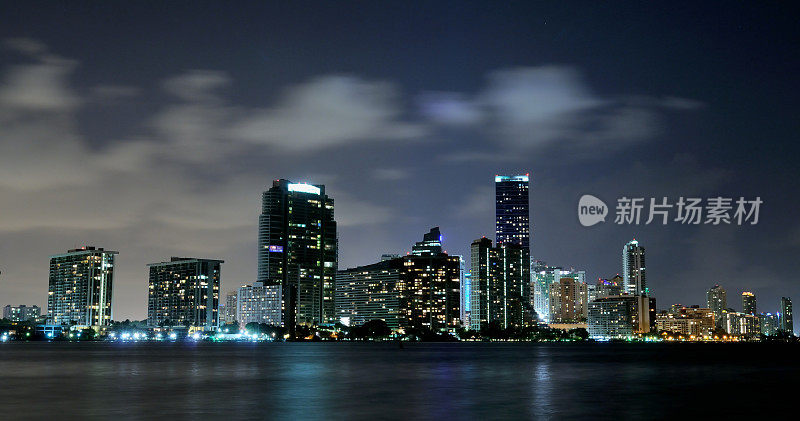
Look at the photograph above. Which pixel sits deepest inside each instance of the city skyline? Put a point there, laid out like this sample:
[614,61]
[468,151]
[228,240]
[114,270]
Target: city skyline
[157,144]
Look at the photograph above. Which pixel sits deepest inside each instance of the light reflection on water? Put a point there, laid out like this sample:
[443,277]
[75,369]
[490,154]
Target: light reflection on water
[376,380]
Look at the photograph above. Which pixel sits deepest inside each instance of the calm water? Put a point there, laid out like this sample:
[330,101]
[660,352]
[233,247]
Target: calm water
[379,381]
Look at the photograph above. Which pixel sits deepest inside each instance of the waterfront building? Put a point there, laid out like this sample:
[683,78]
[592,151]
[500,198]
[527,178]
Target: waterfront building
[512,211]
[633,269]
[568,301]
[184,292]
[418,290]
[21,313]
[542,278]
[691,321]
[769,323]
[717,299]
[370,292]
[298,250]
[228,308]
[259,303]
[741,324]
[500,285]
[80,287]
[748,303]
[429,288]
[621,316]
[786,322]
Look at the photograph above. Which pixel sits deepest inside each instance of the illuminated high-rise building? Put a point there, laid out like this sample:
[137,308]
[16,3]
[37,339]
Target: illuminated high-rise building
[748,303]
[80,287]
[568,301]
[786,322]
[184,292]
[633,269]
[298,250]
[500,285]
[717,299]
[258,303]
[770,323]
[542,277]
[512,210]
[418,290]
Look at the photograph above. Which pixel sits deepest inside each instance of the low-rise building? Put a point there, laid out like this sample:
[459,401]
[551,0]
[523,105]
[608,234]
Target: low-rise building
[21,313]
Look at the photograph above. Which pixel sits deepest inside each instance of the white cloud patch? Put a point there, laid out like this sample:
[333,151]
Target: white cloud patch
[531,107]
[329,111]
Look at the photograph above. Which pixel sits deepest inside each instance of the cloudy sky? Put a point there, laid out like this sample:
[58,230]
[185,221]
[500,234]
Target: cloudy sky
[152,129]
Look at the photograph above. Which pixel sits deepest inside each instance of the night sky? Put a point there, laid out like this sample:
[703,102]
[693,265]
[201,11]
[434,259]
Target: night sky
[152,129]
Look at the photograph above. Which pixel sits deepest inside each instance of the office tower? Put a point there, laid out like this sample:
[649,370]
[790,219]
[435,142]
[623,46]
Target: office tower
[298,250]
[500,291]
[542,278]
[184,292]
[80,287]
[769,323]
[568,301]
[21,313]
[748,303]
[228,308]
[692,321]
[512,210]
[787,325]
[370,292]
[258,303]
[419,290]
[633,269]
[717,300]
[621,316]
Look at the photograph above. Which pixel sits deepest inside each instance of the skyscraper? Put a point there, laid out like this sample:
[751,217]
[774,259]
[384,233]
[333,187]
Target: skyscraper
[717,300]
[748,303]
[298,250]
[429,290]
[786,322]
[500,285]
[568,301]
[419,290]
[542,277]
[184,292]
[633,269]
[512,210]
[80,287]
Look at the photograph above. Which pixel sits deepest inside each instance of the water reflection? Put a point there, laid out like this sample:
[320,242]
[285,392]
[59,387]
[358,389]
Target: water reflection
[357,381]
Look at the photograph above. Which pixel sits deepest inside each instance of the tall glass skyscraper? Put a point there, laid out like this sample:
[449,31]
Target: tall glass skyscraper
[717,299]
[500,285]
[633,269]
[748,302]
[786,322]
[512,210]
[80,287]
[298,250]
